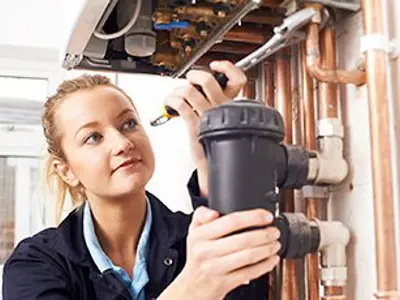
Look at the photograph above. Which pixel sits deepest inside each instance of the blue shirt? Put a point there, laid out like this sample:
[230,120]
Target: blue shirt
[104,263]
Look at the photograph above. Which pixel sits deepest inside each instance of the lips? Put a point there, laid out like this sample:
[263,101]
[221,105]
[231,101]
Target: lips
[127,163]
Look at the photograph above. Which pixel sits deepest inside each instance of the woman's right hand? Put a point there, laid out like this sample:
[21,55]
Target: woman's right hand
[219,259]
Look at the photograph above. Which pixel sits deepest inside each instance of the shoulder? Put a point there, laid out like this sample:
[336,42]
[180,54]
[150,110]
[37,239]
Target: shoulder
[33,249]
[31,263]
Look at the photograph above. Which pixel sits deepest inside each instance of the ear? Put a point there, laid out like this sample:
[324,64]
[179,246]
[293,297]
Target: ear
[65,172]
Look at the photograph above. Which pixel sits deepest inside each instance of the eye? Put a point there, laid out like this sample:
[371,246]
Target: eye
[130,124]
[93,138]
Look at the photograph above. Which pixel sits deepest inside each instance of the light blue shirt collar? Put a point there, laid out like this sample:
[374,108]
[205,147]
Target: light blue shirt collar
[101,260]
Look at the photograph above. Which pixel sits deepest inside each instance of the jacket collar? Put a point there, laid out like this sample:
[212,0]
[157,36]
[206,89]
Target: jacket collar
[167,229]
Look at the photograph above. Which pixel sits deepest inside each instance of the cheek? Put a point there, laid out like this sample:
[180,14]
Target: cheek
[147,153]
[90,167]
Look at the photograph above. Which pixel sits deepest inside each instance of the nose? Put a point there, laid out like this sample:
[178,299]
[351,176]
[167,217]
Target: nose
[120,144]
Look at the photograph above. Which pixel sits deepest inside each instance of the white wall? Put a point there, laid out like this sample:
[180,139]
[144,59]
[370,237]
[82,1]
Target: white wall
[30,23]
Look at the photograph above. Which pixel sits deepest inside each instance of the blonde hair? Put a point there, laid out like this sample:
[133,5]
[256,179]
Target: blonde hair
[53,138]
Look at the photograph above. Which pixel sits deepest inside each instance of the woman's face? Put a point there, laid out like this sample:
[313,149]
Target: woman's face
[107,150]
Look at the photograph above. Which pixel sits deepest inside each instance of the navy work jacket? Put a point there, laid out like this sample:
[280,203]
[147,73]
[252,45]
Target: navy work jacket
[55,263]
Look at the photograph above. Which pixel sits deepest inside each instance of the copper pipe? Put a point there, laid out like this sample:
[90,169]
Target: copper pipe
[249,90]
[248,33]
[167,56]
[269,89]
[271,3]
[382,183]
[334,293]
[283,91]
[328,104]
[196,11]
[234,47]
[284,106]
[206,59]
[264,16]
[312,260]
[320,73]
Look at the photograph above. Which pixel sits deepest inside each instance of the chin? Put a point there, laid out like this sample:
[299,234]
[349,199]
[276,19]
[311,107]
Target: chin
[131,184]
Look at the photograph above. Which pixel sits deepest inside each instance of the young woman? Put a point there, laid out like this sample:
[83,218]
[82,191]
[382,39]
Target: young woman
[121,242]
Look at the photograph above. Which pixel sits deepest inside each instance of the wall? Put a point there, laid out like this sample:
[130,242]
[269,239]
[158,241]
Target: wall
[30,23]
[352,201]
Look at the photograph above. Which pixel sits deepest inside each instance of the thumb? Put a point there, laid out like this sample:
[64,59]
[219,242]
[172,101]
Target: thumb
[203,215]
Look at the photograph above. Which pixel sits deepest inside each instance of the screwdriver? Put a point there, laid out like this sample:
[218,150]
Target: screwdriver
[285,35]
[169,113]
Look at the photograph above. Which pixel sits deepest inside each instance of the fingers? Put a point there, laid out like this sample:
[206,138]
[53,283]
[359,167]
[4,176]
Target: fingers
[239,242]
[234,222]
[237,78]
[209,85]
[201,216]
[177,102]
[245,258]
[246,274]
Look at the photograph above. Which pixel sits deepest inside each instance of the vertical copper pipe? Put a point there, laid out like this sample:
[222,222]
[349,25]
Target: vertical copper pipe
[376,62]
[312,261]
[269,100]
[334,291]
[328,104]
[284,106]
[249,90]
[283,91]
[269,89]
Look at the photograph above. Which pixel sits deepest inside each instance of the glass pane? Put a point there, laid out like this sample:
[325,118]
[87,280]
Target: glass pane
[7,209]
[38,213]
[23,88]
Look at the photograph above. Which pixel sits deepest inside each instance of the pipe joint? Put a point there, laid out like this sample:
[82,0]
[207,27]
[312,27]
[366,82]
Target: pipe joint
[328,165]
[333,276]
[334,238]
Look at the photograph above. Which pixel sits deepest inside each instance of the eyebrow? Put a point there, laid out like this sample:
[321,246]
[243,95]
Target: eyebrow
[90,124]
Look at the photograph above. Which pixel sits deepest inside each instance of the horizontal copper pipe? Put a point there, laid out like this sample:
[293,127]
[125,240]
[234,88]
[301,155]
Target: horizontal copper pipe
[248,33]
[234,47]
[196,11]
[264,16]
[382,182]
[315,68]
[271,3]
[206,59]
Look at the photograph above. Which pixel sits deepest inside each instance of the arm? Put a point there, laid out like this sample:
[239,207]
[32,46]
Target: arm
[191,104]
[29,274]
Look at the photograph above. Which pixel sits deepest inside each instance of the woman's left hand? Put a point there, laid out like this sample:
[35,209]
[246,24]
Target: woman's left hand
[191,104]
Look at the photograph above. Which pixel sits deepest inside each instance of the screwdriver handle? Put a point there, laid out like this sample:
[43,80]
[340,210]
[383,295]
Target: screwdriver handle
[220,77]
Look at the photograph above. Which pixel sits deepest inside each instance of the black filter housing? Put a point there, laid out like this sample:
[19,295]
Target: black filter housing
[241,141]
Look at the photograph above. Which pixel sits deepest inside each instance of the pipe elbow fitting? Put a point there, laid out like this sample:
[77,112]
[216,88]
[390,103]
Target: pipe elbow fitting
[334,238]
[331,169]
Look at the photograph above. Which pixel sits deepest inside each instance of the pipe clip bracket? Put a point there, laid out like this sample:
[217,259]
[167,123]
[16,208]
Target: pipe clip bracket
[388,295]
[313,191]
[380,42]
